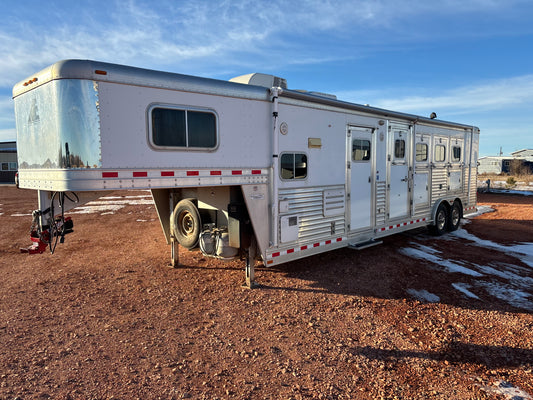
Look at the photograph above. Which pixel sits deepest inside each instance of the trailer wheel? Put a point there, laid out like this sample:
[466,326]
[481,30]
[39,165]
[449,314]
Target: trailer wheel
[186,223]
[441,221]
[455,217]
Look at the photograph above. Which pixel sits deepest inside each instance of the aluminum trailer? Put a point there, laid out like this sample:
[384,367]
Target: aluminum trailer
[246,168]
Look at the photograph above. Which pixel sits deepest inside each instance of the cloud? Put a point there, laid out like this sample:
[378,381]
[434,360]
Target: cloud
[488,96]
[189,33]
[7,135]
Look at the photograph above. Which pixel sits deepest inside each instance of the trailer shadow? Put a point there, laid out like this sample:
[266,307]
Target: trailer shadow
[492,357]
[450,270]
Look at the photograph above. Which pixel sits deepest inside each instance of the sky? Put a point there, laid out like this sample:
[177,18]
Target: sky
[469,61]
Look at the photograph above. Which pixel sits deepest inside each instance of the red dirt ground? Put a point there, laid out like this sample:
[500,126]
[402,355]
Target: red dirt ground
[105,317]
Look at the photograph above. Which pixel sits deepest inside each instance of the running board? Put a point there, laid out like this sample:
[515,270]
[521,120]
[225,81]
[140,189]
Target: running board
[364,245]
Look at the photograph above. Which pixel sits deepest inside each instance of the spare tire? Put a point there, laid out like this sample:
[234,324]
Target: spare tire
[186,223]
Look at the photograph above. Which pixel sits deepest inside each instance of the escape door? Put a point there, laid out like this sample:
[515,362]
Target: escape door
[399,162]
[359,176]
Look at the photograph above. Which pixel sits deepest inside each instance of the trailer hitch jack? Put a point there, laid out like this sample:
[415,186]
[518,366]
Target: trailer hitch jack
[42,236]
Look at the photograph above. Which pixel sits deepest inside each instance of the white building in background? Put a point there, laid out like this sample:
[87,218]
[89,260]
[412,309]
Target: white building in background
[502,164]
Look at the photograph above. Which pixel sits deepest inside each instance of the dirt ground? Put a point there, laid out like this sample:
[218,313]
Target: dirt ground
[105,317]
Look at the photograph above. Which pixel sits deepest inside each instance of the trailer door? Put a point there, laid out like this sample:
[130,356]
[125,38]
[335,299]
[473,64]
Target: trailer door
[399,162]
[359,177]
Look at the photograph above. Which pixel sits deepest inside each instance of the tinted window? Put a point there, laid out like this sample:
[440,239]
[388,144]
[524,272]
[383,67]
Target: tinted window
[421,152]
[293,166]
[360,150]
[202,129]
[399,148]
[456,156]
[183,128]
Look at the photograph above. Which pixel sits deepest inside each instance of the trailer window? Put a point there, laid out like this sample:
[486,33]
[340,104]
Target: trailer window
[399,148]
[293,166]
[440,153]
[456,154]
[361,150]
[183,128]
[421,152]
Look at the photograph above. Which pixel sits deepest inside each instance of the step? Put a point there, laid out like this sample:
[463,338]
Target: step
[364,245]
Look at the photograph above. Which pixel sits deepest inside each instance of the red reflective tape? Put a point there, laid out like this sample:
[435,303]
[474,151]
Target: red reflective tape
[215,173]
[316,244]
[256,172]
[398,225]
[193,173]
[109,174]
[236,172]
[328,241]
[167,173]
[390,227]
[383,229]
[290,251]
[303,248]
[140,174]
[339,239]
[276,254]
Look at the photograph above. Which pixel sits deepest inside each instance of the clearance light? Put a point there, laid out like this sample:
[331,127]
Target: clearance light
[30,81]
[100,72]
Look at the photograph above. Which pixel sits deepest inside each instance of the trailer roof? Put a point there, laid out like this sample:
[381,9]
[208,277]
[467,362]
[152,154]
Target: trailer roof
[107,72]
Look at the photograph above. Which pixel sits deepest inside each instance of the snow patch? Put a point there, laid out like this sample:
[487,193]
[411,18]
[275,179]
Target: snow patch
[90,209]
[110,204]
[463,288]
[508,293]
[508,391]
[429,254]
[480,211]
[507,282]
[124,197]
[522,251]
[423,295]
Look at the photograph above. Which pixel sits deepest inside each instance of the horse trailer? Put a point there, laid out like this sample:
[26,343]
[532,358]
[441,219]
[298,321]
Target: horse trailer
[242,168]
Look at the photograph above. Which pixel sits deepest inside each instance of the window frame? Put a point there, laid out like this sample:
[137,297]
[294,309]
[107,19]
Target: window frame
[167,106]
[293,153]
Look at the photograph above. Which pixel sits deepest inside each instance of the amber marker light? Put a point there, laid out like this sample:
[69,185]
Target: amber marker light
[100,72]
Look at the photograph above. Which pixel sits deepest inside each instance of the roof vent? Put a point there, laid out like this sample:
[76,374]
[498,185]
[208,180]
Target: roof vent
[258,79]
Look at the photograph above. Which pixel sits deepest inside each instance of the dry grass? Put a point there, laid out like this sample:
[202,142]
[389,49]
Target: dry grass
[510,179]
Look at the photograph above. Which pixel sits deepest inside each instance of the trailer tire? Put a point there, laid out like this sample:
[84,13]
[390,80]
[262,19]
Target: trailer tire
[455,217]
[440,224]
[186,223]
